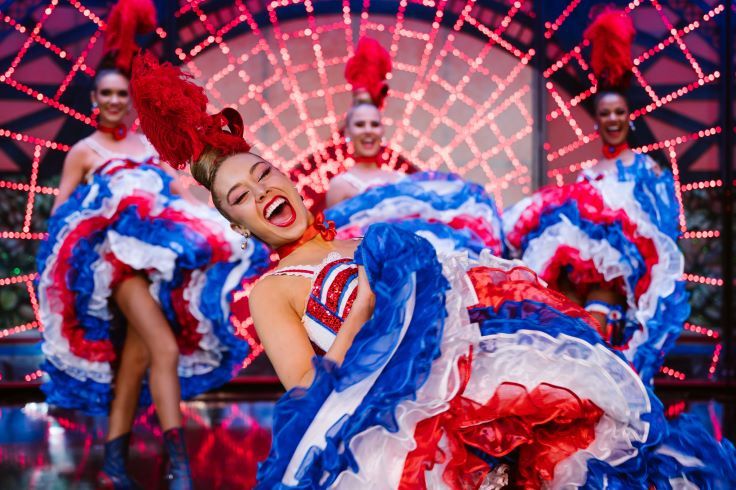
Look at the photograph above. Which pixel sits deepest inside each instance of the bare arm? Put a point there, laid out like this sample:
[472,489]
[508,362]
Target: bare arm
[283,335]
[76,165]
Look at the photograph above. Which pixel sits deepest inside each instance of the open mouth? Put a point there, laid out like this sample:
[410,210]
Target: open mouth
[613,130]
[279,212]
[369,143]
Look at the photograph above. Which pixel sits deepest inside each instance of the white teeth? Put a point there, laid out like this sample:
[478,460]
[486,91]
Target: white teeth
[272,207]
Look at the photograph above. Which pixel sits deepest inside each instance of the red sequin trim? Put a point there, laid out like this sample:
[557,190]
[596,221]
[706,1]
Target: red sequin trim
[327,313]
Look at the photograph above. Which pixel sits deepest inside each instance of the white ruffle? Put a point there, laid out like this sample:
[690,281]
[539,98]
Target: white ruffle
[607,260]
[402,206]
[160,262]
[665,274]
[526,357]
[340,405]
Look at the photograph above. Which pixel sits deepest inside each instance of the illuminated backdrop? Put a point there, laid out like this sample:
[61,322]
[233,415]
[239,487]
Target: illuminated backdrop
[497,91]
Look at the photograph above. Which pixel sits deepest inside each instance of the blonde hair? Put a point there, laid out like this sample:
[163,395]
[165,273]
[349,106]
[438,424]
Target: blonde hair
[204,169]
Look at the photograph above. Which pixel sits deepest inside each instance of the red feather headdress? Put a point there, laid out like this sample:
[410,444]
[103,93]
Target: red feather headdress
[128,18]
[173,114]
[367,69]
[611,35]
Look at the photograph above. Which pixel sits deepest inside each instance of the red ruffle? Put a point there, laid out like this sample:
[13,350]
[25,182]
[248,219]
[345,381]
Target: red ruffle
[582,274]
[546,425]
[187,338]
[103,350]
[592,208]
[493,287]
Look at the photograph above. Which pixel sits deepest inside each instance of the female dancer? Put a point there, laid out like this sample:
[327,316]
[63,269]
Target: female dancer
[437,372]
[123,248]
[366,72]
[452,214]
[608,241]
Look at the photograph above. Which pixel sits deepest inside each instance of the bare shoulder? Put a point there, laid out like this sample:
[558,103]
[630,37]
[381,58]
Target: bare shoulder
[262,290]
[80,154]
[271,291]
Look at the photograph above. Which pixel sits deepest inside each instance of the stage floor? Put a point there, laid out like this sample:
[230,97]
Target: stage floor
[45,449]
[51,449]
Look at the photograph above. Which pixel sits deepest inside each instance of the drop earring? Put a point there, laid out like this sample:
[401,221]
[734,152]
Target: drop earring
[631,125]
[595,127]
[246,237]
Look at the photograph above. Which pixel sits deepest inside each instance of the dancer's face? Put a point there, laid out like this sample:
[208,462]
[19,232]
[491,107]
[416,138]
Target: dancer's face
[365,130]
[112,96]
[612,117]
[260,199]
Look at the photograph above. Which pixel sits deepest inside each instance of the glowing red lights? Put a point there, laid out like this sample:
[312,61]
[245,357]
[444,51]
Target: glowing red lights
[714,361]
[674,373]
[710,281]
[34,375]
[708,332]
[298,131]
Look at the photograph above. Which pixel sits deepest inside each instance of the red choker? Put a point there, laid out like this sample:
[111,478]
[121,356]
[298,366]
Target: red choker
[610,151]
[376,160]
[318,226]
[118,132]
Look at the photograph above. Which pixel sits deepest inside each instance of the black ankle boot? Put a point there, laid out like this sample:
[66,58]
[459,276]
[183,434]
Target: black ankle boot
[114,474]
[179,475]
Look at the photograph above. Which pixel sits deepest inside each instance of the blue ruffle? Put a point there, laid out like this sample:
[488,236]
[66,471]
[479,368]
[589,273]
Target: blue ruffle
[656,196]
[391,257]
[686,436]
[193,252]
[654,193]
[410,187]
[65,391]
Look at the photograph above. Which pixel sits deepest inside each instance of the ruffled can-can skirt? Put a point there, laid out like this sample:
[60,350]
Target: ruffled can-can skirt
[453,214]
[615,233]
[472,374]
[125,220]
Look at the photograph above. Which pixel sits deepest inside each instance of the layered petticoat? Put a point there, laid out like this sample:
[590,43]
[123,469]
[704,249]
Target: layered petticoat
[126,221]
[616,230]
[449,212]
[469,372]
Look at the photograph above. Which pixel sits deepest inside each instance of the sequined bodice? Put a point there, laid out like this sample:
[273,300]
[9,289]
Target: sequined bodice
[333,290]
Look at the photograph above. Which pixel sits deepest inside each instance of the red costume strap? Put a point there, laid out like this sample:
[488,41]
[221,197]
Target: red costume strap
[318,227]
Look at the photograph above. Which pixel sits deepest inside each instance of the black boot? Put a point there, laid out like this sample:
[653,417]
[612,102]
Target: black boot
[179,475]
[114,474]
